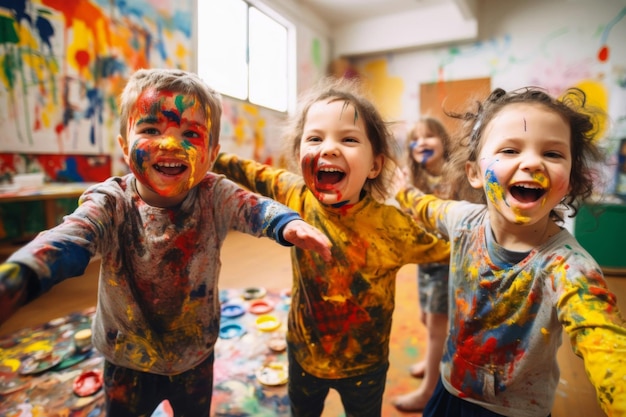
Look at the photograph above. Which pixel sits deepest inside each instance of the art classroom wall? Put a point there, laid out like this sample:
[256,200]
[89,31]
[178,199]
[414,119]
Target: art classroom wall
[64,64]
[554,44]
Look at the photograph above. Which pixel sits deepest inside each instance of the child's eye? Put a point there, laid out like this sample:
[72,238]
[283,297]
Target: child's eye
[150,131]
[352,140]
[553,154]
[191,134]
[313,139]
[509,151]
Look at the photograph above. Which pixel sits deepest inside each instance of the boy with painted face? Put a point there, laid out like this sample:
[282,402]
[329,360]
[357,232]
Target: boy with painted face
[159,231]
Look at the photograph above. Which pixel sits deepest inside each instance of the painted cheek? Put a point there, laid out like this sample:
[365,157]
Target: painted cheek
[198,157]
[139,157]
[493,189]
[308,163]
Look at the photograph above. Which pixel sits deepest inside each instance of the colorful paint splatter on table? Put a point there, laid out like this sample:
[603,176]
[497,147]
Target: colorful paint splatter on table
[35,382]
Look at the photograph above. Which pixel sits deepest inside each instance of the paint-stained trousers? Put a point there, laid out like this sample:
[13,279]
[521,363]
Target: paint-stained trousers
[361,396]
[131,393]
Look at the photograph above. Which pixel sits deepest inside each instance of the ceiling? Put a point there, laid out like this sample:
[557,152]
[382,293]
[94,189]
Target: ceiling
[341,12]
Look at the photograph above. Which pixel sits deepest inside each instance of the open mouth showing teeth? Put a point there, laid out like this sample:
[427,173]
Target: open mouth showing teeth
[329,176]
[526,193]
[170,168]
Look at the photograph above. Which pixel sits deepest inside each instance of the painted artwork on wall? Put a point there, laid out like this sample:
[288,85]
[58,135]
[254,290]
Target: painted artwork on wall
[64,63]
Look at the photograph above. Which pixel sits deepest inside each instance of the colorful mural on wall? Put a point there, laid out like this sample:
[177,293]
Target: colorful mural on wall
[64,63]
[555,51]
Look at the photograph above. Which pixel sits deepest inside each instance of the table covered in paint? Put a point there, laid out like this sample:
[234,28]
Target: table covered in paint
[39,366]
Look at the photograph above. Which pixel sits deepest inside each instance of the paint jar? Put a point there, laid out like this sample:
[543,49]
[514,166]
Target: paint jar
[82,340]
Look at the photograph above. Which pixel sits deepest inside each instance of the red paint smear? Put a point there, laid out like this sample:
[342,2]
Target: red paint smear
[603,54]
[84,11]
[82,58]
[308,164]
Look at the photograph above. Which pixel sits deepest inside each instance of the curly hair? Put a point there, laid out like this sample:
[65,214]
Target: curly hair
[572,107]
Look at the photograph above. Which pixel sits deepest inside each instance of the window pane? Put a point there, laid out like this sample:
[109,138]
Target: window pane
[268,61]
[222,41]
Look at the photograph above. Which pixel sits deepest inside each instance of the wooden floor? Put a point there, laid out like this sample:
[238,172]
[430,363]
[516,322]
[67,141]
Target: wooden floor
[249,262]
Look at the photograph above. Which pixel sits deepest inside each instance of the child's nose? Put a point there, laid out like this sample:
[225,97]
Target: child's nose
[531,162]
[329,147]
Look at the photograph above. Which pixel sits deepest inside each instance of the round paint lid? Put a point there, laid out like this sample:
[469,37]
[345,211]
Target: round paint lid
[88,383]
[260,307]
[267,323]
[232,310]
[273,374]
[253,293]
[231,330]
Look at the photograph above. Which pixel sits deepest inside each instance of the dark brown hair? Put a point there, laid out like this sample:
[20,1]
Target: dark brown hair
[572,107]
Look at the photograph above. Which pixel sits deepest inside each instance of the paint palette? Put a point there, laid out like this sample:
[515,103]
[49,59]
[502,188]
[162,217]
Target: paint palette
[37,364]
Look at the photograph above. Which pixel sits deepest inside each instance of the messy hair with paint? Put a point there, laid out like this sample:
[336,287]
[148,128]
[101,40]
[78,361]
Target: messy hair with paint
[572,107]
[417,171]
[175,81]
[378,131]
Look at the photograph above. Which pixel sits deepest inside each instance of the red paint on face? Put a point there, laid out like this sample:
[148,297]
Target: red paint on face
[309,165]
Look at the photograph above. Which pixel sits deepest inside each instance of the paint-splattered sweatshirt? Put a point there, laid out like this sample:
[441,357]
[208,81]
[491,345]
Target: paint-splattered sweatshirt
[341,311]
[158,307]
[506,318]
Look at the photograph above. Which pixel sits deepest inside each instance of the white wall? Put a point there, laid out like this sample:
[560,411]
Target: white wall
[554,44]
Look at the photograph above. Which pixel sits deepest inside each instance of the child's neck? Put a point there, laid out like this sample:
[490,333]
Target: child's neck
[523,237]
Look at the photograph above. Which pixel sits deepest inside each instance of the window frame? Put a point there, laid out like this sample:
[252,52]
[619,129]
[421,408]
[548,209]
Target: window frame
[290,49]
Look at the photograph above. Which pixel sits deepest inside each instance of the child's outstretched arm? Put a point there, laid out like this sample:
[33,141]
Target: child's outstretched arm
[18,285]
[306,237]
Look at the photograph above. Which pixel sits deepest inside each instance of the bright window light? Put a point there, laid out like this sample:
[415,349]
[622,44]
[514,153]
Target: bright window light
[242,52]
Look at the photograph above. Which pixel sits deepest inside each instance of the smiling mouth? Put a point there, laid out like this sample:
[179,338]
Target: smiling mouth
[329,176]
[170,168]
[527,193]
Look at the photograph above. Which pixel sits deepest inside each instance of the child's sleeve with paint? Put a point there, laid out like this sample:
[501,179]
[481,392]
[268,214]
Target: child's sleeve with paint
[64,251]
[597,332]
[250,212]
[260,178]
[427,209]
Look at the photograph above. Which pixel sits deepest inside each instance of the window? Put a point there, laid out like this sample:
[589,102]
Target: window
[243,52]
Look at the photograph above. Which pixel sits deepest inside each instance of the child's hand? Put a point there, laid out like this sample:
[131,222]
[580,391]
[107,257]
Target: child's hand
[13,288]
[305,236]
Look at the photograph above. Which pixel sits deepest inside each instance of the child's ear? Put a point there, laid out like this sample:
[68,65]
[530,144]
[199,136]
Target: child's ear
[124,145]
[214,152]
[474,176]
[377,167]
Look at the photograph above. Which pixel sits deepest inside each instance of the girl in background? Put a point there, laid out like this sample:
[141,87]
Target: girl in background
[428,146]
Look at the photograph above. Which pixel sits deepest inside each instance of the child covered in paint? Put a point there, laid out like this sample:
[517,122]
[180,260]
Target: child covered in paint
[341,311]
[159,231]
[517,277]
[428,148]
